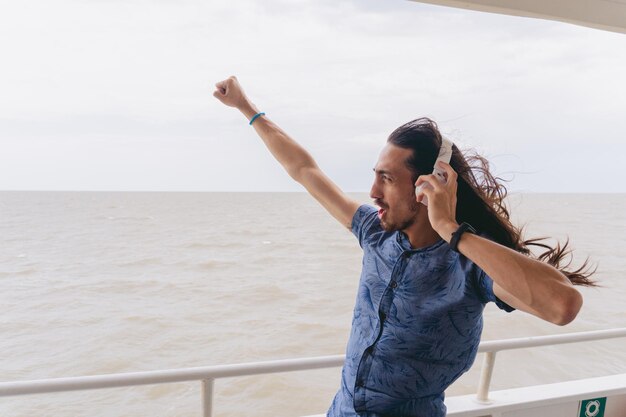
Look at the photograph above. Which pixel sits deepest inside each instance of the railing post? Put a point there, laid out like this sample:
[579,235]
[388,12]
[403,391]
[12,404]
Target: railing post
[485,378]
[207,397]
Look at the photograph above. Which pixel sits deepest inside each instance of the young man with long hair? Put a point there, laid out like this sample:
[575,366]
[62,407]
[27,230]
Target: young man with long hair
[428,270]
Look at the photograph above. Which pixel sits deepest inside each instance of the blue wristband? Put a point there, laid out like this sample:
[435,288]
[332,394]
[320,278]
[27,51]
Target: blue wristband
[255,116]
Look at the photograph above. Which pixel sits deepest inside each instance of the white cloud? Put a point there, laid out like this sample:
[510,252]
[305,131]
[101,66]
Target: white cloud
[339,77]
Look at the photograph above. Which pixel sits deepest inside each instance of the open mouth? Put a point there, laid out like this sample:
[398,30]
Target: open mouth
[381,212]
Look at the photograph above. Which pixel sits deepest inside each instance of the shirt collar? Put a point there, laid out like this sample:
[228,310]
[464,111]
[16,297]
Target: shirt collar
[403,241]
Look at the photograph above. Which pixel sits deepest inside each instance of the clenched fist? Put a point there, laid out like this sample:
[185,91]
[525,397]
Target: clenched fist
[230,92]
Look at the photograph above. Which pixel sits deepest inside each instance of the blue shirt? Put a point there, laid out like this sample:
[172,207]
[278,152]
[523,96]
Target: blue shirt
[416,326]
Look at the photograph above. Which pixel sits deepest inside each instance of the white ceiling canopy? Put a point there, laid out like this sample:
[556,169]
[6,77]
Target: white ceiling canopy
[600,14]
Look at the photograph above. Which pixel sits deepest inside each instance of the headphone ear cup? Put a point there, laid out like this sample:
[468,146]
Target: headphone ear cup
[442,176]
[418,189]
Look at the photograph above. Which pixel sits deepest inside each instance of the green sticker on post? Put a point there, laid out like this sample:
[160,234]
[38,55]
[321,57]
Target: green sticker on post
[592,408]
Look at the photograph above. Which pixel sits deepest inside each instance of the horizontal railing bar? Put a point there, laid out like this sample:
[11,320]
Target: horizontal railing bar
[41,386]
[534,341]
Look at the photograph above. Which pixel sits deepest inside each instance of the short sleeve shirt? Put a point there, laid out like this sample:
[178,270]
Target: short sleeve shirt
[416,326]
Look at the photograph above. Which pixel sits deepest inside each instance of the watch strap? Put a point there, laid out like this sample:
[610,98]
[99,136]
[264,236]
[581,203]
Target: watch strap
[456,236]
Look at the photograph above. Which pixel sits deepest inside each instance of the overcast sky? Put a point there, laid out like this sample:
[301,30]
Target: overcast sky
[117,95]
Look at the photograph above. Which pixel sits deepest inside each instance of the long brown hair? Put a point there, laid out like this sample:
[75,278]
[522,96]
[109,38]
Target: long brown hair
[480,196]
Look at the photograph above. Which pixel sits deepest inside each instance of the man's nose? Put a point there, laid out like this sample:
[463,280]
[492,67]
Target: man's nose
[375,191]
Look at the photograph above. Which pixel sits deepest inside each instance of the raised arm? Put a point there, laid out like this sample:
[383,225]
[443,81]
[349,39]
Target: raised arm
[298,163]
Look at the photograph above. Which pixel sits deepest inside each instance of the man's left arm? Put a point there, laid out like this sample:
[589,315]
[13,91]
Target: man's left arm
[520,281]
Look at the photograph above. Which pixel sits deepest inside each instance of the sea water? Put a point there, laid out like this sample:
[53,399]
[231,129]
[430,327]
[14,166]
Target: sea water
[97,283]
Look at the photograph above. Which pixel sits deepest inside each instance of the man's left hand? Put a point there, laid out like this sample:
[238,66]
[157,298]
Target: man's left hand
[441,200]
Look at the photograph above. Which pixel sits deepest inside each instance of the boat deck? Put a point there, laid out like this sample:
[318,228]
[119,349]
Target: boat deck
[562,399]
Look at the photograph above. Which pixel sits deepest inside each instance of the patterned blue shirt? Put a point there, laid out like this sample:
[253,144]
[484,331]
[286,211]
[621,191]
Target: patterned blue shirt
[416,326]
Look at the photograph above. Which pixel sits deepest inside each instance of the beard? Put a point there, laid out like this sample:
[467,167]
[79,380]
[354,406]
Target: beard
[405,222]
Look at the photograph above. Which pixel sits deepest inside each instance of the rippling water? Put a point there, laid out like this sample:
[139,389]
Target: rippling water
[97,283]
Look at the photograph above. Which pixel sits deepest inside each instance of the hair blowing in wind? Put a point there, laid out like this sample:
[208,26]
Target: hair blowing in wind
[480,196]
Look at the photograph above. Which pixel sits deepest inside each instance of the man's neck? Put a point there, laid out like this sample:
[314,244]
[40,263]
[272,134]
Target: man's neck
[421,234]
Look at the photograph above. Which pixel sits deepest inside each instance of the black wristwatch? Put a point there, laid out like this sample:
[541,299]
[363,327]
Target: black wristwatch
[454,241]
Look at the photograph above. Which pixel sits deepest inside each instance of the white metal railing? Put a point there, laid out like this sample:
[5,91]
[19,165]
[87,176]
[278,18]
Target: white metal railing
[490,348]
[208,374]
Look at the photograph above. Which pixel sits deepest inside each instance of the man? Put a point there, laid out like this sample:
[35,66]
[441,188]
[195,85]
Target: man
[418,316]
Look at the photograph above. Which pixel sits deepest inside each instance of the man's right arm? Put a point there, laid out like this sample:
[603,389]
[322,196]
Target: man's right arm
[298,163]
